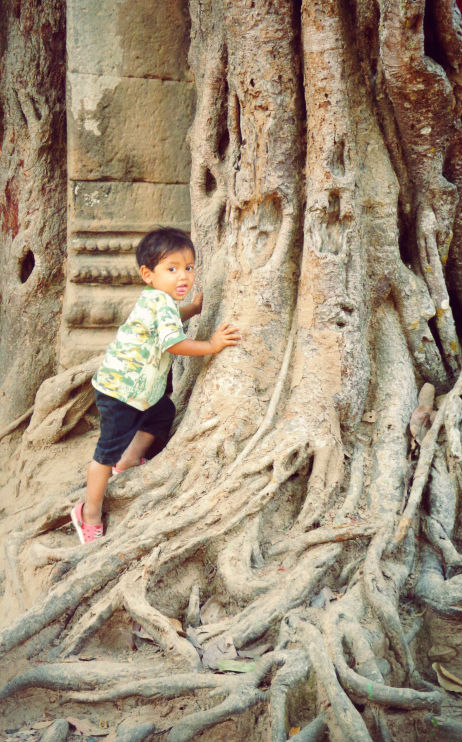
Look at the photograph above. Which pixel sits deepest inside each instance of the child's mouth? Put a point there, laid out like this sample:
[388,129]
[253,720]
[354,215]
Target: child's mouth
[182,290]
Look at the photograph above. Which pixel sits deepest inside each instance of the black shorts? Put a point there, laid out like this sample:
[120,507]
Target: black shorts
[119,422]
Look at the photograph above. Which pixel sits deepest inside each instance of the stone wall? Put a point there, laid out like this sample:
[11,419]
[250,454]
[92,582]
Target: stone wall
[130,101]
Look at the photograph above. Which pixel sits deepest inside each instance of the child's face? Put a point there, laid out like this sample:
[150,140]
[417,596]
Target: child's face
[173,274]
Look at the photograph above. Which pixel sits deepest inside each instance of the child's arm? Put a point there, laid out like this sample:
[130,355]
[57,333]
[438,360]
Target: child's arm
[223,336]
[189,310]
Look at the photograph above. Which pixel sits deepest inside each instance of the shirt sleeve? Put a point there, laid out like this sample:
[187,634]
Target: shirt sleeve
[170,326]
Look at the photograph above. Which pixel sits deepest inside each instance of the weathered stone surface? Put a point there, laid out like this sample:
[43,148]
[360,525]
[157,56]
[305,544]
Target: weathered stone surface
[114,269]
[130,102]
[77,346]
[129,129]
[135,38]
[127,207]
[98,306]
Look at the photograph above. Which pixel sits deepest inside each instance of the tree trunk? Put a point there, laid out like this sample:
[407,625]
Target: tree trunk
[311,486]
[32,196]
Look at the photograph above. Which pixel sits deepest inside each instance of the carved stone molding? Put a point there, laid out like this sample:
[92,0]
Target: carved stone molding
[130,104]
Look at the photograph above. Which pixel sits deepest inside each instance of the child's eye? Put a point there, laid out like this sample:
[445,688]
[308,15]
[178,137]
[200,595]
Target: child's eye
[172,269]
[189,267]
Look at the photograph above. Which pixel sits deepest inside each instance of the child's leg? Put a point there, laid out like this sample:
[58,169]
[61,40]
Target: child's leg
[135,451]
[97,478]
[155,423]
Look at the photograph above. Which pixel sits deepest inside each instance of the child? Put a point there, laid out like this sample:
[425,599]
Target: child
[130,384]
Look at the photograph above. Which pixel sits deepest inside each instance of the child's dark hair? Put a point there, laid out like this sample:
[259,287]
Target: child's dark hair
[161,242]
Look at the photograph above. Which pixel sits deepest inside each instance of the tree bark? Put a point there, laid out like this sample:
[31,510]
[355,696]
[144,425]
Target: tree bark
[32,197]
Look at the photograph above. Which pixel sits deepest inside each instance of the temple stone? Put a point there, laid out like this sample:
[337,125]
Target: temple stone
[128,38]
[129,129]
[130,104]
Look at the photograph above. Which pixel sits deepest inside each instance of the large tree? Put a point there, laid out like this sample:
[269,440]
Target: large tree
[311,485]
[32,196]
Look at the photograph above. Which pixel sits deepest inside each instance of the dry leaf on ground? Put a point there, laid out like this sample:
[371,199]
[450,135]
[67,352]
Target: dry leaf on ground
[177,626]
[221,649]
[446,679]
[85,727]
[236,666]
[212,611]
[252,652]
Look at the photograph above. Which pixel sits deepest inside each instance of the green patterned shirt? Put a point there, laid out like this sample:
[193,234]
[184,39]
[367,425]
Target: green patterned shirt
[137,363]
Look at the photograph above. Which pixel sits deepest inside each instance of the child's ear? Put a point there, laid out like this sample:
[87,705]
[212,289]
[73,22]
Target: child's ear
[145,273]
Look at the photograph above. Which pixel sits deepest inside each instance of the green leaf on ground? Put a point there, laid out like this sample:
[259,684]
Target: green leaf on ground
[235,666]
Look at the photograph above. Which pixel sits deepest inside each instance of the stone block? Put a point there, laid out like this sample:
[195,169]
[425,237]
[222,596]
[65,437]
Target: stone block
[96,307]
[131,38]
[112,270]
[128,129]
[127,207]
[78,346]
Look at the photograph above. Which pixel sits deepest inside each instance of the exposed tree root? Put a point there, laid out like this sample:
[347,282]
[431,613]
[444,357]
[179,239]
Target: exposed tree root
[369,685]
[347,720]
[323,535]
[313,732]
[99,681]
[424,463]
[240,698]
[16,423]
[296,668]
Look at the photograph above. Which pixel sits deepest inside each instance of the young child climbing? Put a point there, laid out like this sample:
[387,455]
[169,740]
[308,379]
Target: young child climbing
[130,384]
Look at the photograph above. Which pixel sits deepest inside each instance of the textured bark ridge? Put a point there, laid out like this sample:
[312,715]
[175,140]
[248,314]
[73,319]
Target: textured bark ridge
[32,196]
[306,512]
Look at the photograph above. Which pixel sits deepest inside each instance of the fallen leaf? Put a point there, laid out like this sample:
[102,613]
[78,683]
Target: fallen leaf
[91,657]
[439,653]
[85,727]
[177,626]
[42,724]
[446,679]
[253,652]
[220,649]
[212,611]
[236,666]
[293,731]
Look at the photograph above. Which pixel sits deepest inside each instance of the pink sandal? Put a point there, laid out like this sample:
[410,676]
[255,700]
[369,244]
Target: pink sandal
[116,470]
[86,532]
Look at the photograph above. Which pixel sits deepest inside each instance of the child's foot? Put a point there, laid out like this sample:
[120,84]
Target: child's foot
[116,470]
[85,531]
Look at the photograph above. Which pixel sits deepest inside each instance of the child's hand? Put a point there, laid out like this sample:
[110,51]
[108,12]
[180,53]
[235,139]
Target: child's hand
[223,336]
[197,303]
